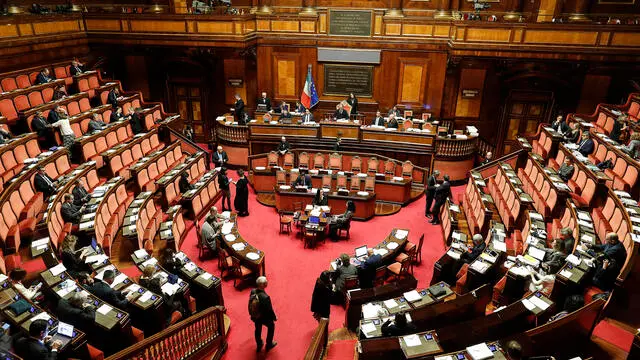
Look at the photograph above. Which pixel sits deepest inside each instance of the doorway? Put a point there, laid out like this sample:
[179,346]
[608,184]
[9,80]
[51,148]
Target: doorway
[524,110]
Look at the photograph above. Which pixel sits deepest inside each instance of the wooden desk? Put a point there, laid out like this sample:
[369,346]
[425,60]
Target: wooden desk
[203,193]
[205,287]
[426,139]
[365,205]
[243,249]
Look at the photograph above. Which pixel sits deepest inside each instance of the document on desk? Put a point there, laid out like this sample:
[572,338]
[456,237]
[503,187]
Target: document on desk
[57,270]
[118,279]
[480,352]
[390,304]
[566,273]
[141,253]
[401,234]
[445,357]
[539,303]
[131,288]
[587,238]
[146,296]
[226,228]
[412,296]
[584,216]
[412,340]
[500,245]
[479,266]
[585,224]
[150,261]
[169,288]
[455,208]
[453,254]
[95,258]
[368,328]
[528,304]
[370,311]
[573,259]
[536,216]
[190,266]
[104,309]
[455,235]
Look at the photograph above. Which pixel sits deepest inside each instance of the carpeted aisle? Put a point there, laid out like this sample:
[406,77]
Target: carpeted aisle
[292,271]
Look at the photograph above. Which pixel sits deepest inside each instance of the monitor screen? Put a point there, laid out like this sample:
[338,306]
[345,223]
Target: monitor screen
[536,253]
[65,329]
[94,244]
[361,251]
[314,219]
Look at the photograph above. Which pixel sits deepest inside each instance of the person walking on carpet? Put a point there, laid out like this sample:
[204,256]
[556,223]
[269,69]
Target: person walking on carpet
[262,314]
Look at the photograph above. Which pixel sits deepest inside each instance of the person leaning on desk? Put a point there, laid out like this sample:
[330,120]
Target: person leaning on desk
[398,327]
[303,180]
[345,270]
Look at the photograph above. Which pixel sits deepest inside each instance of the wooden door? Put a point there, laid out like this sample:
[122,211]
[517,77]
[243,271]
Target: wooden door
[188,102]
[523,112]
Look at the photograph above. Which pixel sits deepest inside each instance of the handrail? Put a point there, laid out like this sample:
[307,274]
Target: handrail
[318,345]
[490,169]
[193,338]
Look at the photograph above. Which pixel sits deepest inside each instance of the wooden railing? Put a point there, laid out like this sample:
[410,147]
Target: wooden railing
[318,346]
[199,336]
[232,134]
[455,148]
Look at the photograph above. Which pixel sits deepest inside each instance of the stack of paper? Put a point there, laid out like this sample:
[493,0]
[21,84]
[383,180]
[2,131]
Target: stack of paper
[104,309]
[401,234]
[118,279]
[368,328]
[57,270]
[412,340]
[370,311]
[479,352]
[390,304]
[141,253]
[169,288]
[412,296]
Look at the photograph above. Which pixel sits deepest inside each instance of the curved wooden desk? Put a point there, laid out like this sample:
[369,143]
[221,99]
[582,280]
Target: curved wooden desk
[365,205]
[257,265]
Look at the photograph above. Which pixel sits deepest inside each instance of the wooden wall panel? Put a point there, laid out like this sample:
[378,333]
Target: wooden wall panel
[56,27]
[285,76]
[488,35]
[560,37]
[413,75]
[8,31]
[234,69]
[470,79]
[157,26]
[594,91]
[215,27]
[285,26]
[102,25]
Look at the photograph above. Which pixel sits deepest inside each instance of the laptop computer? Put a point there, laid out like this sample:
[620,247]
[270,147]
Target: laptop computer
[361,252]
[65,329]
[314,220]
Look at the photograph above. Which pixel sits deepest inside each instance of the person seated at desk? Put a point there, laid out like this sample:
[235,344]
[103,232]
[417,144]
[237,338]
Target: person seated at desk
[367,273]
[392,122]
[43,77]
[307,118]
[283,105]
[116,115]
[609,259]
[336,146]
[300,109]
[112,97]
[619,127]
[38,345]
[571,304]
[184,183]
[398,327]
[136,122]
[77,311]
[264,100]
[76,67]
[340,113]
[44,183]
[321,298]
[16,276]
[172,302]
[394,111]
[488,157]
[284,146]
[220,157]
[342,221]
[56,114]
[210,231]
[96,124]
[169,262]
[4,136]
[477,249]
[80,194]
[69,211]
[102,289]
[59,93]
[633,149]
[345,270]
[541,282]
[573,135]
[320,199]
[560,125]
[72,261]
[285,116]
[586,145]
[42,127]
[379,120]
[566,169]
[303,180]
[352,100]
[554,258]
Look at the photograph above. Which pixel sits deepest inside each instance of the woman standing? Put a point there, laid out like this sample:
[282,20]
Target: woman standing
[223,184]
[241,202]
[353,101]
[321,298]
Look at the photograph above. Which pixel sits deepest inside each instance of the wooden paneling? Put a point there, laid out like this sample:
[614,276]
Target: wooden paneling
[594,91]
[157,26]
[56,27]
[470,79]
[413,75]
[626,39]
[25,29]
[234,69]
[8,31]
[285,25]
[560,37]
[215,27]
[102,25]
[488,35]
[285,76]
[417,30]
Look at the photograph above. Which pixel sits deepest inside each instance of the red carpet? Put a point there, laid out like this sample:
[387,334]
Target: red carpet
[342,350]
[292,272]
[614,335]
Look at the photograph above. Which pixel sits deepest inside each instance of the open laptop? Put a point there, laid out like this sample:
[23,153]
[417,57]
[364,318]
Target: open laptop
[361,252]
[314,220]
[536,253]
[65,329]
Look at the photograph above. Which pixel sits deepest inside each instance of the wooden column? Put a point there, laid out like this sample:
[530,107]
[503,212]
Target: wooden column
[514,10]
[577,10]
[444,10]
[395,9]
[309,7]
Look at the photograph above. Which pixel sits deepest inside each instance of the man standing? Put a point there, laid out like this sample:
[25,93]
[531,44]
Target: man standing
[432,184]
[264,100]
[220,157]
[68,136]
[262,314]
[337,145]
[368,268]
[442,193]
[238,108]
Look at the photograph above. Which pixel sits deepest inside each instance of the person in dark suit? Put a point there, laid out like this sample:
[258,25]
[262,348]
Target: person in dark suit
[184,183]
[116,115]
[573,135]
[609,259]
[430,191]
[566,236]
[102,289]
[72,259]
[300,109]
[341,221]
[586,146]
[566,169]
[345,270]
[340,113]
[59,93]
[442,193]
[320,199]
[223,184]
[303,180]
[336,145]
[554,258]
[76,68]
[398,327]
[475,251]
[80,195]
[560,125]
[262,314]
[43,77]
[238,108]
[43,183]
[40,125]
[307,118]
[169,262]
[56,114]
[321,297]
[4,136]
[392,122]
[70,212]
[283,105]
[112,97]
[136,122]
[619,126]
[488,157]
[379,120]
[241,202]
[368,268]
[353,102]
[77,311]
[220,157]
[38,345]
[285,117]
[394,110]
[96,124]
[284,146]
[264,100]
[172,302]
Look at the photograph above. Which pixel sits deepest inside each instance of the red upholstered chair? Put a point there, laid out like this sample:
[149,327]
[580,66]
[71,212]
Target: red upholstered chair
[318,161]
[285,222]
[390,167]
[281,177]
[303,160]
[341,182]
[224,261]
[326,181]
[240,272]
[288,160]
[335,161]
[372,166]
[176,316]
[356,164]
[407,169]
[381,275]
[94,353]
[272,159]
[137,335]
[399,269]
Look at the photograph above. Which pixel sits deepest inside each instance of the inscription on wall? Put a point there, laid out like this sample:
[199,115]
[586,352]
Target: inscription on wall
[345,79]
[350,22]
